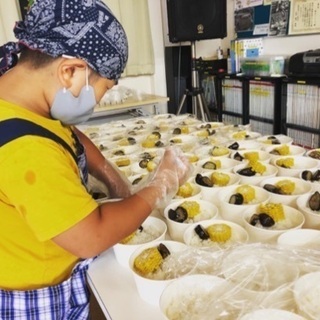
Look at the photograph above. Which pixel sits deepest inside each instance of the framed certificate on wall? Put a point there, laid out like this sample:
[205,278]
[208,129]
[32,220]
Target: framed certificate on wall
[304,17]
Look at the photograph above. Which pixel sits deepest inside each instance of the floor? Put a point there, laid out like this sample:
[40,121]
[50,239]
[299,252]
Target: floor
[95,310]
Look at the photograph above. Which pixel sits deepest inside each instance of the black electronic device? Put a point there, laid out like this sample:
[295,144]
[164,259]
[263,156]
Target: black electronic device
[307,62]
[191,20]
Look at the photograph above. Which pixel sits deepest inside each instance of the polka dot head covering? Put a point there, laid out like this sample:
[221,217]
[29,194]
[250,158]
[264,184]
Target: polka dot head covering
[85,29]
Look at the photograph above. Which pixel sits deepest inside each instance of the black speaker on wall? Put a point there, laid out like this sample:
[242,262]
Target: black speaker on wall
[191,20]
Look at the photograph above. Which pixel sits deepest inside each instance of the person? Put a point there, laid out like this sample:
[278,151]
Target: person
[68,54]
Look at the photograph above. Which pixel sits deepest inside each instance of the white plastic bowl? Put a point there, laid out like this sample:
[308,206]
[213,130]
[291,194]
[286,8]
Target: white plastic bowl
[312,218]
[301,187]
[283,139]
[294,219]
[185,142]
[306,293]
[196,193]
[301,163]
[293,150]
[262,274]
[150,290]
[227,164]
[238,235]
[234,212]
[123,251]
[192,297]
[210,193]
[176,229]
[206,152]
[271,171]
[246,145]
[300,238]
[263,156]
[310,154]
[271,314]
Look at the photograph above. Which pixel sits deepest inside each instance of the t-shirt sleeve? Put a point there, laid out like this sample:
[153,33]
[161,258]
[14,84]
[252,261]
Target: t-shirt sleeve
[41,180]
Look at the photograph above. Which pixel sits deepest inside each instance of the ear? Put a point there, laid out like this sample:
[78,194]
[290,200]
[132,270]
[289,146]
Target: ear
[68,69]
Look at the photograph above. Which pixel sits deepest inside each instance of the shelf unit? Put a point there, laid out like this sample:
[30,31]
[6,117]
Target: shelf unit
[231,99]
[250,99]
[301,110]
[264,104]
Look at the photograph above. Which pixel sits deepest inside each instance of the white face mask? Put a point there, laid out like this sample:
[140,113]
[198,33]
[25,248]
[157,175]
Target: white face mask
[74,110]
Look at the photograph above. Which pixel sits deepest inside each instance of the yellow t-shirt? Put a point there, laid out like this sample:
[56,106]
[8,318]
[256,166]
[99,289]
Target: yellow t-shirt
[41,195]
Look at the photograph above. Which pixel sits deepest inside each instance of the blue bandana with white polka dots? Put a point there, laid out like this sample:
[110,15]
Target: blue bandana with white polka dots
[85,29]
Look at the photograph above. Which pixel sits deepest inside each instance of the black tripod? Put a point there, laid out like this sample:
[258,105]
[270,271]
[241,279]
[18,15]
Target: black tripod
[199,104]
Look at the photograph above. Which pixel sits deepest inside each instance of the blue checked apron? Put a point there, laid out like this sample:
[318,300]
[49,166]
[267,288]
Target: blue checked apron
[68,300]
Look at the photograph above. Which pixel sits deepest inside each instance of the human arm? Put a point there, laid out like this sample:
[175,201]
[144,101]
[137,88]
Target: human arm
[113,221]
[103,170]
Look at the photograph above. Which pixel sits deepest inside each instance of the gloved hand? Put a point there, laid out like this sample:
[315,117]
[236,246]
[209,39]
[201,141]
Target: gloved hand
[174,169]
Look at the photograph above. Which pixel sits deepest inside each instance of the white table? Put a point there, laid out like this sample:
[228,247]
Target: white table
[116,292]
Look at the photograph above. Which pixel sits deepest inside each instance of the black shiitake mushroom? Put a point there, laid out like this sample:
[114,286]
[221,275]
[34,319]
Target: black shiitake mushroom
[236,198]
[314,201]
[263,218]
[307,175]
[209,165]
[248,172]
[272,188]
[164,251]
[237,156]
[176,131]
[143,163]
[203,180]
[178,215]
[234,146]
[201,232]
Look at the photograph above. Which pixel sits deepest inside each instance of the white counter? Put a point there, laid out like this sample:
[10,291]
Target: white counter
[116,292]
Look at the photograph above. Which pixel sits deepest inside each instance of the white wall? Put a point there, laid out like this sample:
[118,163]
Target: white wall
[272,45]
[156,84]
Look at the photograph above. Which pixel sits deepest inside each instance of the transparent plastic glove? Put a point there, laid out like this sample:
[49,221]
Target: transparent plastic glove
[174,169]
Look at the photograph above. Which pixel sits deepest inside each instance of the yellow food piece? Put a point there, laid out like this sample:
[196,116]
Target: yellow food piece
[148,261]
[217,163]
[274,210]
[148,143]
[248,193]
[240,135]
[123,162]
[123,142]
[219,151]
[286,186]
[203,133]
[220,179]
[128,238]
[176,140]
[252,156]
[192,208]
[193,158]
[186,190]
[184,129]
[286,163]
[219,232]
[151,166]
[283,150]
[153,137]
[258,167]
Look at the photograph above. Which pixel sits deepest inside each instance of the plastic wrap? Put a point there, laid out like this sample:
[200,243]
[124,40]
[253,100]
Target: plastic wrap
[249,277]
